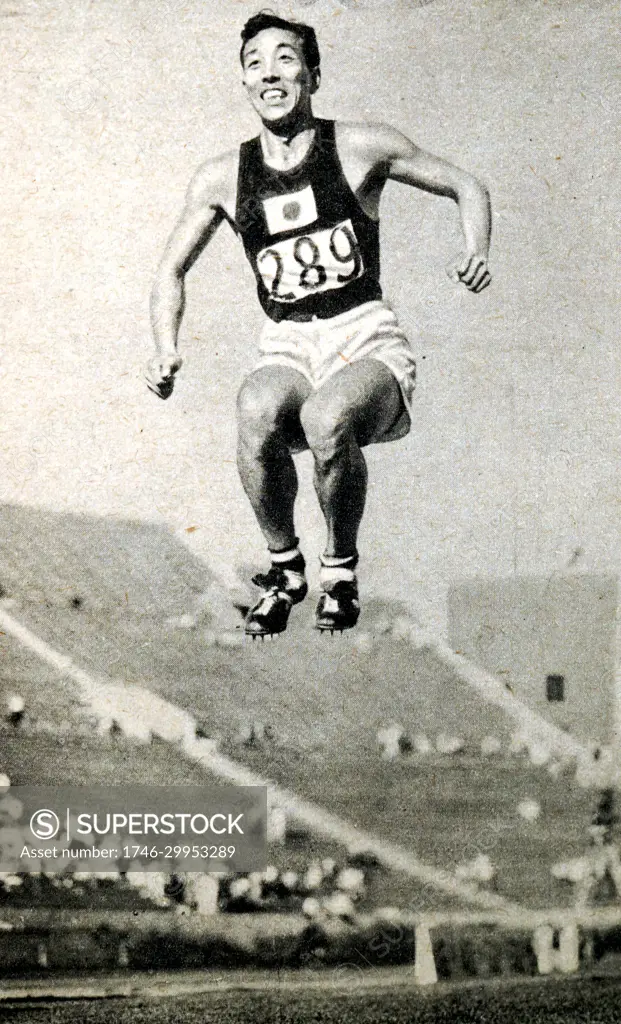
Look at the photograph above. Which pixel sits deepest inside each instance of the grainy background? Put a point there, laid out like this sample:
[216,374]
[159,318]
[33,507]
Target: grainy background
[512,460]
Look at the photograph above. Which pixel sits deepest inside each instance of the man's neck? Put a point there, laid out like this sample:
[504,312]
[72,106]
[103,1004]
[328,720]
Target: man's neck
[285,146]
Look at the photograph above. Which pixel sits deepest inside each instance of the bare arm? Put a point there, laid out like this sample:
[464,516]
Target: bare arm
[202,214]
[401,160]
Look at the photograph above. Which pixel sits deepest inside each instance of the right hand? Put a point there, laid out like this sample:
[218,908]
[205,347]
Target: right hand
[160,374]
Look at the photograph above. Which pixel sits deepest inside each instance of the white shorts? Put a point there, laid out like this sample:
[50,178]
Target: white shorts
[320,348]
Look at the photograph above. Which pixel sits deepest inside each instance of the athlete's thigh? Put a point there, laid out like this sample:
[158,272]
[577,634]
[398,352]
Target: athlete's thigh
[271,398]
[364,396]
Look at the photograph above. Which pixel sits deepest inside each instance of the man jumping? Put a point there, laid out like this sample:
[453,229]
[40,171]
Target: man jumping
[335,372]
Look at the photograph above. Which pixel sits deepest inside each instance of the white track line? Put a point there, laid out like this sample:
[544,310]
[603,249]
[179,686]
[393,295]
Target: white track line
[317,819]
[59,661]
[185,983]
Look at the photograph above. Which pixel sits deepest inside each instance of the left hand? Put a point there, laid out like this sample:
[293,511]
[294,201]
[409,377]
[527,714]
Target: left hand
[470,270]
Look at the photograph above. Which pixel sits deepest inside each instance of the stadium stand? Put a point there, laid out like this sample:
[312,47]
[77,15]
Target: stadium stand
[114,657]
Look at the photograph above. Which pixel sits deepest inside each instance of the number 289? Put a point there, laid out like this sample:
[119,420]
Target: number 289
[310,270]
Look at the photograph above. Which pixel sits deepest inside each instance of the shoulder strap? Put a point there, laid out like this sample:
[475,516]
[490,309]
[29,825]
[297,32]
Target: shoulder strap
[327,136]
[249,165]
[247,155]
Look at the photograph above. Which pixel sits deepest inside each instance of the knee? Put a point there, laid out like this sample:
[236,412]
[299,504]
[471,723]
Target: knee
[258,414]
[327,430]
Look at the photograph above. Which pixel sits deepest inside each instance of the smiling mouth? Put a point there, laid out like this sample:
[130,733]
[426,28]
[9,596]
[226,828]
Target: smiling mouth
[273,94]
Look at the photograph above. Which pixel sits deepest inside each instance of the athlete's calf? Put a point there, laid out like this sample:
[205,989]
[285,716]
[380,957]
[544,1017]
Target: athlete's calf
[268,421]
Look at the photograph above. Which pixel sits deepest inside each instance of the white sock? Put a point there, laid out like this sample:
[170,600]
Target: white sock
[278,557]
[293,573]
[333,569]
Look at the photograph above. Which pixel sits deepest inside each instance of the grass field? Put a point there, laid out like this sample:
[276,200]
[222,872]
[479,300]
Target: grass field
[550,1001]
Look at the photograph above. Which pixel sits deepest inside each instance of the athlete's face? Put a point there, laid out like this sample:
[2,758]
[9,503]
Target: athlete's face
[276,77]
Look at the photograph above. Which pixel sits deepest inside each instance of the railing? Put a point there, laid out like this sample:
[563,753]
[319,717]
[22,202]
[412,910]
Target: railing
[438,946]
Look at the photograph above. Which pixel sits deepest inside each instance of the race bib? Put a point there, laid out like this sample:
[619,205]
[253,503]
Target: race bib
[315,262]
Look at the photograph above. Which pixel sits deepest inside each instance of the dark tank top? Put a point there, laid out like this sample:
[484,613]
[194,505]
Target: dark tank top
[313,249]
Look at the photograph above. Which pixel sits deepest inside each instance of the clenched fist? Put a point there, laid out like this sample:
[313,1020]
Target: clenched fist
[160,374]
[470,270]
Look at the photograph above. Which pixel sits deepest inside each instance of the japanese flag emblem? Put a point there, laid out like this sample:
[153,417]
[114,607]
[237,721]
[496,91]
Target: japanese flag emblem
[290,211]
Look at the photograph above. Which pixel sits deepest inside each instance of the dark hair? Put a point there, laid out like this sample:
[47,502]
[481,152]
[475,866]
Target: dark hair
[266,19]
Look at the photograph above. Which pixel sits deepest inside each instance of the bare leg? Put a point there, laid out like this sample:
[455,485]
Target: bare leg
[340,479]
[268,409]
[356,407]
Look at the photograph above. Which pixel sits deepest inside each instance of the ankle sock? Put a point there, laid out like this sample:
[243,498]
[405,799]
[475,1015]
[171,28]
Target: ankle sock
[291,558]
[334,568]
[292,563]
